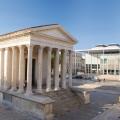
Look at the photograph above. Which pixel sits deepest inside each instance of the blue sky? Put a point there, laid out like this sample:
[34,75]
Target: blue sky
[91,22]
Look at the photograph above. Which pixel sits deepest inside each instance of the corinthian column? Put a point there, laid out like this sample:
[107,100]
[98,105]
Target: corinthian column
[14,68]
[40,62]
[57,69]
[63,67]
[70,69]
[48,84]
[21,69]
[7,69]
[29,70]
[1,68]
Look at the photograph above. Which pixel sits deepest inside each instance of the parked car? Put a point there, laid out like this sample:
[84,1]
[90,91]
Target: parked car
[78,77]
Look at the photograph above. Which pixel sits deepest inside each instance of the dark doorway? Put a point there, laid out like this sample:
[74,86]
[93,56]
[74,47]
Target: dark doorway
[33,73]
[34,85]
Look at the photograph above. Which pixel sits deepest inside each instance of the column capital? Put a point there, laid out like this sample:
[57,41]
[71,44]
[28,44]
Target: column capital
[30,46]
[21,46]
[14,47]
[58,49]
[40,46]
[49,48]
[7,48]
[2,49]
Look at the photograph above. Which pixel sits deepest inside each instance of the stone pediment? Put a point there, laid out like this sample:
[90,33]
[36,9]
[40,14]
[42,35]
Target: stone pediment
[53,31]
[57,33]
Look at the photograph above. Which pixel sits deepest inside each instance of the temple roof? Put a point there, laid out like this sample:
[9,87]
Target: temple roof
[34,29]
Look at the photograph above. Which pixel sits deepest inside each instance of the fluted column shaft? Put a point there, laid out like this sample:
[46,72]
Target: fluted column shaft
[63,68]
[40,62]
[14,68]
[7,70]
[48,84]
[1,68]
[57,69]
[29,70]
[21,69]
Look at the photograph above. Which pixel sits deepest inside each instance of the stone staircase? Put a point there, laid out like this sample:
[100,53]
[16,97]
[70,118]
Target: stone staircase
[65,100]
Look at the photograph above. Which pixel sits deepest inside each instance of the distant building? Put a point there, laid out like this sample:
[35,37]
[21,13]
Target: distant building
[103,61]
[78,64]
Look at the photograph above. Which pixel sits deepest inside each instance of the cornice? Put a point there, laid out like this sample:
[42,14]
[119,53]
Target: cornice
[15,35]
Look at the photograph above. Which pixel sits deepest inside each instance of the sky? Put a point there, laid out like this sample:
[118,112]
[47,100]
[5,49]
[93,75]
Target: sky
[91,22]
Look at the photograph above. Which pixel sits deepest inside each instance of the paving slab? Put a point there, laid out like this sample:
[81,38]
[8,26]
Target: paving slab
[110,114]
[8,113]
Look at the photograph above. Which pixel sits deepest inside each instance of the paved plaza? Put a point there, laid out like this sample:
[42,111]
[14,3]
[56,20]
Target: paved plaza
[104,96]
[7,113]
[102,107]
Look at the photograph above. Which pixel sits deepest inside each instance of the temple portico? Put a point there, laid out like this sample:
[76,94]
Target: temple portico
[12,73]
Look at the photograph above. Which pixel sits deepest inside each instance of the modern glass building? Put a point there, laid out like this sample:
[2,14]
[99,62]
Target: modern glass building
[103,61]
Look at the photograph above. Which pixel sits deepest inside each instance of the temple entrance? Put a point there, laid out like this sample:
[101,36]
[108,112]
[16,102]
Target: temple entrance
[34,84]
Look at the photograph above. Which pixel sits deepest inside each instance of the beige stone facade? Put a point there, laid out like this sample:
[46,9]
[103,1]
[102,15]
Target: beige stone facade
[28,57]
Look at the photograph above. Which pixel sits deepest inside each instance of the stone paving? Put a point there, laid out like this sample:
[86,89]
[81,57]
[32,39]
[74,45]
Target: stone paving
[101,107]
[99,103]
[111,114]
[7,113]
[103,97]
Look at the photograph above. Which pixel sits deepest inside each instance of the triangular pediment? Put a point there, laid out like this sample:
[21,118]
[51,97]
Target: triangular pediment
[56,32]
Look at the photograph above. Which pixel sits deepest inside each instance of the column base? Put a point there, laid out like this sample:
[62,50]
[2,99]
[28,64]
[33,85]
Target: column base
[28,93]
[20,91]
[13,89]
[1,88]
[56,89]
[6,88]
[48,90]
[64,86]
[39,91]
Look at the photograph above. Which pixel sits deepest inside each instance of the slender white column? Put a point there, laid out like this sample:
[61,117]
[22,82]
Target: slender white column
[88,70]
[97,65]
[107,64]
[57,70]
[21,69]
[119,63]
[91,65]
[14,69]
[103,62]
[85,64]
[63,68]
[114,65]
[75,64]
[40,62]
[48,84]
[1,68]
[7,69]
[70,69]
[29,70]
